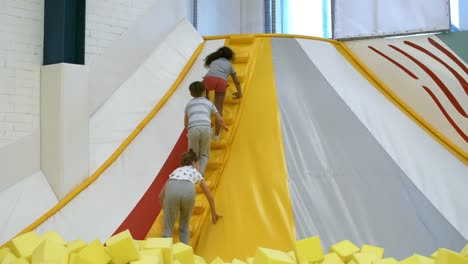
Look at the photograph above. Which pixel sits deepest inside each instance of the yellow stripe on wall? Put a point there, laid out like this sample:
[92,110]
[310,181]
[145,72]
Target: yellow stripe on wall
[253,195]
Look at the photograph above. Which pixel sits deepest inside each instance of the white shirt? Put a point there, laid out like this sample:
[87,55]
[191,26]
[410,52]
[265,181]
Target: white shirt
[186,173]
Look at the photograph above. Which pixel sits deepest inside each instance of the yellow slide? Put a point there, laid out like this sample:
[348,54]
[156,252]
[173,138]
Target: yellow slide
[253,194]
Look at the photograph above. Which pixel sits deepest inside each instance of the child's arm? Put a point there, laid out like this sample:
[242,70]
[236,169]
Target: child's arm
[214,215]
[221,121]
[238,94]
[186,121]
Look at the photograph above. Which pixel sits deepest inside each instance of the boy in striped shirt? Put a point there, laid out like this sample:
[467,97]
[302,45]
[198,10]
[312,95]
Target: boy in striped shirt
[198,122]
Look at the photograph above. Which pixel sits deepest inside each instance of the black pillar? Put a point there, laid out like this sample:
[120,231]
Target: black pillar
[64,31]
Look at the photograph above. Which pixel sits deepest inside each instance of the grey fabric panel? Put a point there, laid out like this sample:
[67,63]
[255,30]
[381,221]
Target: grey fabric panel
[343,184]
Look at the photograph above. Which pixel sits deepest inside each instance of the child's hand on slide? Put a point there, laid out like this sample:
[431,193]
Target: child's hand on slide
[236,95]
[225,127]
[215,217]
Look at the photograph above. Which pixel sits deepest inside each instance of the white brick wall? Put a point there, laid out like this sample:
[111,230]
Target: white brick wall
[21,41]
[107,20]
[21,44]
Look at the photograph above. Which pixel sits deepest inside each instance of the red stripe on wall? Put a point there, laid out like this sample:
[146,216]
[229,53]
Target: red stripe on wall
[142,217]
[460,79]
[447,116]
[436,79]
[394,62]
[449,54]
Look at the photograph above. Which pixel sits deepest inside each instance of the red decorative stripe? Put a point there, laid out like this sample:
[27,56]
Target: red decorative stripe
[394,62]
[449,54]
[436,79]
[142,217]
[447,116]
[460,79]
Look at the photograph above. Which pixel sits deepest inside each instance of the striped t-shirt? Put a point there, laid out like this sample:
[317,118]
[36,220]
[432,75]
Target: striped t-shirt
[199,111]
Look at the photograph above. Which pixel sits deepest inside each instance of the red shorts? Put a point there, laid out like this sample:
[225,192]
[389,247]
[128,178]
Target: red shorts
[215,83]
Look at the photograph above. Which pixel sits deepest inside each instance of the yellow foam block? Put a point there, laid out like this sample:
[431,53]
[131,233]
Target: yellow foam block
[76,245]
[365,258]
[53,235]
[445,256]
[434,255]
[157,252]
[424,260]
[139,244]
[217,260]
[148,259]
[345,249]
[24,245]
[94,253]
[292,255]
[386,261]
[464,251]
[50,251]
[3,252]
[352,261]
[332,258]
[177,262]
[249,260]
[6,256]
[18,261]
[417,259]
[121,248]
[308,250]
[237,261]
[73,258]
[373,249]
[163,243]
[271,256]
[199,259]
[183,253]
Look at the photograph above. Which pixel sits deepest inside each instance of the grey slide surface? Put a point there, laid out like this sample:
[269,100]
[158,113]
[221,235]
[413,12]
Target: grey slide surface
[343,184]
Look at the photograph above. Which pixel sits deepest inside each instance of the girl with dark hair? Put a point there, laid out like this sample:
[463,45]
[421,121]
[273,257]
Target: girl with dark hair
[178,196]
[219,64]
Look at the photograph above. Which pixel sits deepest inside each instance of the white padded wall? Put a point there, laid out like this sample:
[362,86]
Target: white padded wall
[65,126]
[122,58]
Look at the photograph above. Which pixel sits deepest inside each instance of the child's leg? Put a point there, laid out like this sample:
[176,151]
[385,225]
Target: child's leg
[193,135]
[218,102]
[186,206]
[171,207]
[205,140]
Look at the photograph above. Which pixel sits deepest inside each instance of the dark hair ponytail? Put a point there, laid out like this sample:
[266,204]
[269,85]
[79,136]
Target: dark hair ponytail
[223,52]
[187,158]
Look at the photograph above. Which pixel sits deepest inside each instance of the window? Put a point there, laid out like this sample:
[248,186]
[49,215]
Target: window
[454,16]
[301,17]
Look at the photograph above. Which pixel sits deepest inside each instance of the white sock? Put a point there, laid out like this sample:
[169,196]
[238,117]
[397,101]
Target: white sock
[216,137]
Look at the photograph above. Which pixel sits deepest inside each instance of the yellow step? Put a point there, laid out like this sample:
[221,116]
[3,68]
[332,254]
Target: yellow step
[241,39]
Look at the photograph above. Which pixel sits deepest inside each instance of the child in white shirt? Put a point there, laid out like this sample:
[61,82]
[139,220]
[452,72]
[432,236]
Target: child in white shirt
[178,196]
